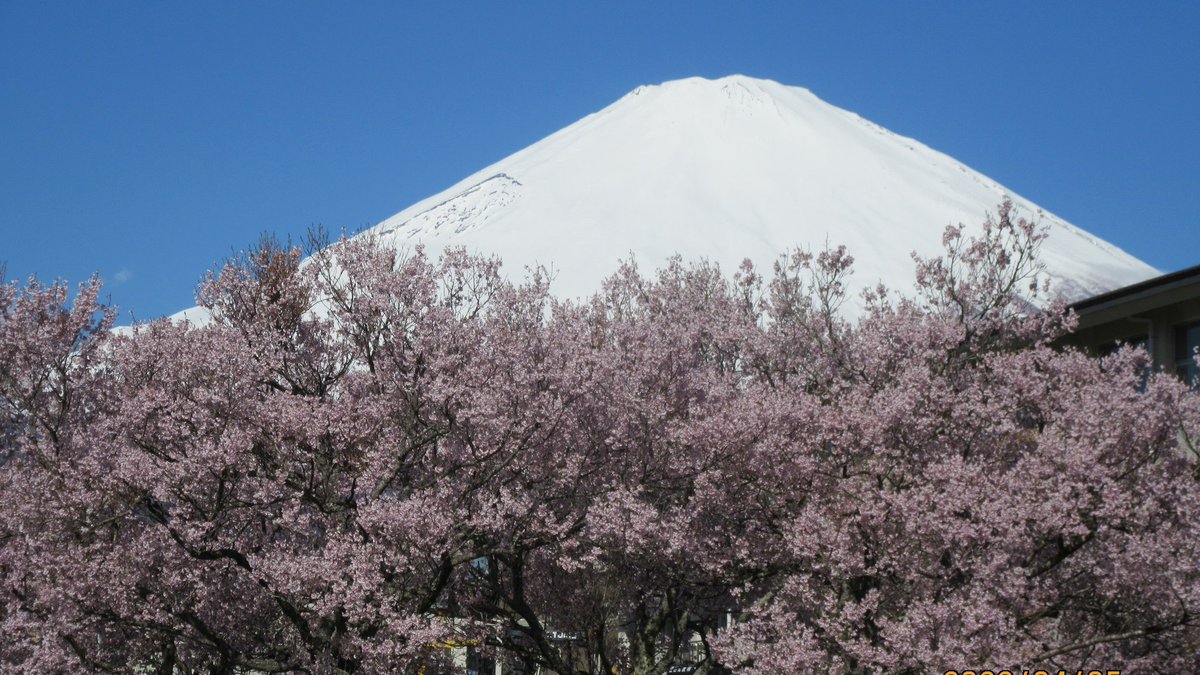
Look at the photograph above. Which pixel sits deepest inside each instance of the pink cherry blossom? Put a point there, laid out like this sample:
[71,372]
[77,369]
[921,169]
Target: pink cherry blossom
[371,460]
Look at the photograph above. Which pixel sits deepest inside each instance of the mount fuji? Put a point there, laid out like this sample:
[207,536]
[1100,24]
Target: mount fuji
[730,169]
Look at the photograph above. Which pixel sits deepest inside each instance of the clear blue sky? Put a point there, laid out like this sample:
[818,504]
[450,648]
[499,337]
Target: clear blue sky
[147,140]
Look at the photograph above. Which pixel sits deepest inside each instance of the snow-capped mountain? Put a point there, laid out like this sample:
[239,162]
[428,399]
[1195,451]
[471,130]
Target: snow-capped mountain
[730,169]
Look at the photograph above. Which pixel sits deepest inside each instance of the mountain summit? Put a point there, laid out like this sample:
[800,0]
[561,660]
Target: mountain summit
[729,169]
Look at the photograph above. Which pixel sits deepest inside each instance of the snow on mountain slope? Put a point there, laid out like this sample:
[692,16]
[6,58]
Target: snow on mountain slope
[728,169]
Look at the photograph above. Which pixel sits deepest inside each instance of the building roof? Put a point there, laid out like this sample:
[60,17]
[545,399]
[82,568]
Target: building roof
[1140,297]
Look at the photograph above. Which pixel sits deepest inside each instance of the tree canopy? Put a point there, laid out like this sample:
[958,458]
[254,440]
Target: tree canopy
[370,456]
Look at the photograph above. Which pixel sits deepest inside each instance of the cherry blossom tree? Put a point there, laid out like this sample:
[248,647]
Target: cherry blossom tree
[370,461]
